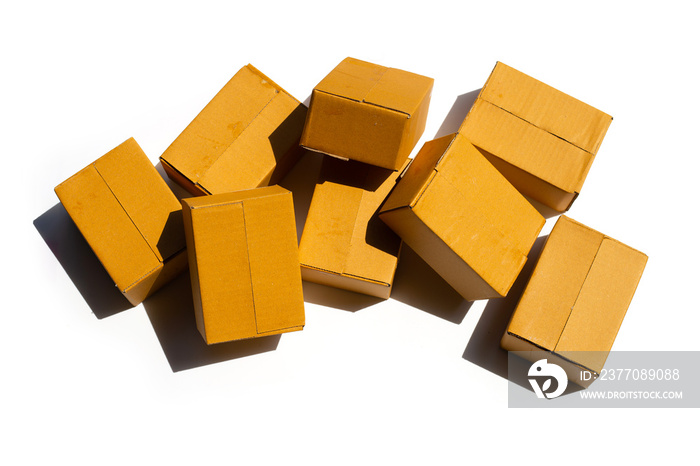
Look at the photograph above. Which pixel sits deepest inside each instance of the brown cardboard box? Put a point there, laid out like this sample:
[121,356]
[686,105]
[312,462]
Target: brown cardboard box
[576,298]
[464,219]
[244,264]
[344,243]
[368,113]
[247,136]
[541,139]
[130,219]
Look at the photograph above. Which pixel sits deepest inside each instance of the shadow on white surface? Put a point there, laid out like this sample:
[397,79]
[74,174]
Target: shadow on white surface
[461,106]
[171,312]
[484,347]
[80,263]
[336,298]
[419,286]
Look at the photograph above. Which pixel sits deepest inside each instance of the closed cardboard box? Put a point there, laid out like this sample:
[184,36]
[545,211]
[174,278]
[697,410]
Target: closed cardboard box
[244,264]
[367,112]
[464,219]
[576,298]
[246,137]
[344,244]
[130,219]
[542,140]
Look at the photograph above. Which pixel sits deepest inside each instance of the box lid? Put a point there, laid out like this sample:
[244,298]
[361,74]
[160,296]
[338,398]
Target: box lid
[361,81]
[579,293]
[246,263]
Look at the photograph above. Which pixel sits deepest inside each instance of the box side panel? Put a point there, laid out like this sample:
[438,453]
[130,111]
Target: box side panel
[352,79]
[222,263]
[438,255]
[274,262]
[194,270]
[355,284]
[526,146]
[144,196]
[546,107]
[181,180]
[602,303]
[271,138]
[555,283]
[109,231]
[221,121]
[416,124]
[354,130]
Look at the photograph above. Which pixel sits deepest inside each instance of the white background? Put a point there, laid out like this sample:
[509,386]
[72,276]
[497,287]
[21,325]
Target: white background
[413,380]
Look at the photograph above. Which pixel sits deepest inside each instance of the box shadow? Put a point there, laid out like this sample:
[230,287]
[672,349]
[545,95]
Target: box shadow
[80,263]
[484,347]
[301,181]
[461,106]
[171,312]
[337,298]
[419,286]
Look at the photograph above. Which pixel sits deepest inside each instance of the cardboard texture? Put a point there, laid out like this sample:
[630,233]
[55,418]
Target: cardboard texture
[542,140]
[246,137]
[456,211]
[244,264]
[344,244]
[367,112]
[576,298]
[130,219]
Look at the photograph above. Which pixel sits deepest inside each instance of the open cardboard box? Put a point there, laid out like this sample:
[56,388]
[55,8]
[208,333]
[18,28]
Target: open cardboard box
[244,264]
[246,137]
[576,299]
[541,139]
[130,219]
[457,212]
[367,112]
[344,244]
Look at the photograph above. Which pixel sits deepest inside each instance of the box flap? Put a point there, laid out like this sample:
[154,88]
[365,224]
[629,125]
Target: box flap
[602,303]
[144,196]
[223,272]
[546,108]
[418,174]
[342,234]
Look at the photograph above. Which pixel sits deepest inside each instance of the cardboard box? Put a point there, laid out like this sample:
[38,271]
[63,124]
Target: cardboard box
[576,298]
[244,264]
[464,219]
[344,244]
[541,139]
[368,113]
[130,219]
[246,137]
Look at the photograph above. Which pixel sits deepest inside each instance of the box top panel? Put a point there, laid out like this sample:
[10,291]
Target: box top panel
[247,263]
[390,88]
[579,292]
[546,108]
[126,213]
[234,108]
[342,233]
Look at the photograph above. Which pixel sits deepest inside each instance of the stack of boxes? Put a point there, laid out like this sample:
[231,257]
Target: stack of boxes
[461,204]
